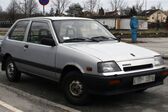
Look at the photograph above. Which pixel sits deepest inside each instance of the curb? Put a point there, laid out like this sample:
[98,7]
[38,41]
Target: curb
[39,100]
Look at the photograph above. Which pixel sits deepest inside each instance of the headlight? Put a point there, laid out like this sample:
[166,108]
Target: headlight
[104,67]
[158,61]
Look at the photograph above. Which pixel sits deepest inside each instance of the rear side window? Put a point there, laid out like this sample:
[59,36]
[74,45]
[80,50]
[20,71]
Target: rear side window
[18,32]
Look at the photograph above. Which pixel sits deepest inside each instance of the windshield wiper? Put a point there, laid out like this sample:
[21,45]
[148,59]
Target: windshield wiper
[92,39]
[100,38]
[75,40]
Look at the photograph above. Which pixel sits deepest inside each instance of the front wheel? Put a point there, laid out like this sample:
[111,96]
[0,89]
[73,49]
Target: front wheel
[13,75]
[75,88]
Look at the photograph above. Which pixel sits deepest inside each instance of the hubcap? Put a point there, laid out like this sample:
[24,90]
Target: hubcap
[76,88]
[10,69]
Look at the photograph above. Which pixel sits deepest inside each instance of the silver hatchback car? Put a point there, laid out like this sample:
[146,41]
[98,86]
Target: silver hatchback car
[80,54]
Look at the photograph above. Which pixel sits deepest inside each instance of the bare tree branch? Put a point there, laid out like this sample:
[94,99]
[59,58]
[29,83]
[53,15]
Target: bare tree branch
[159,5]
[60,5]
[12,10]
[28,7]
[1,9]
[90,5]
[139,5]
[117,5]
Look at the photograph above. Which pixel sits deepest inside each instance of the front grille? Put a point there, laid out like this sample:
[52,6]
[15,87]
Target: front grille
[138,67]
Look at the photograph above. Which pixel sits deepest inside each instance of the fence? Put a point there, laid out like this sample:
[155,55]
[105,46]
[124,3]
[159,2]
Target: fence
[5,24]
[158,25]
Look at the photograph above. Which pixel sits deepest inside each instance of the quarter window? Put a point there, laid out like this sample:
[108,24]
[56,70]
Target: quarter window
[18,31]
[38,32]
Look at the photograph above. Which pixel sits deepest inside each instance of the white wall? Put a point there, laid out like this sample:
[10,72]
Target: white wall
[109,22]
[124,23]
[143,24]
[159,15]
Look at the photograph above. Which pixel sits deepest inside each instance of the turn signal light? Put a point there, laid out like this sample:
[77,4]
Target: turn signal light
[114,82]
[164,73]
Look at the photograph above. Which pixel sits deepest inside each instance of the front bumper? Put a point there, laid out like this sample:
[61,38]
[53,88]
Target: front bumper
[100,84]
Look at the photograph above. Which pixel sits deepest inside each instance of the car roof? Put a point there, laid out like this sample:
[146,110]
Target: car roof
[57,18]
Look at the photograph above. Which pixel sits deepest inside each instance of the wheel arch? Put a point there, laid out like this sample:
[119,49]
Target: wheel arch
[69,68]
[5,57]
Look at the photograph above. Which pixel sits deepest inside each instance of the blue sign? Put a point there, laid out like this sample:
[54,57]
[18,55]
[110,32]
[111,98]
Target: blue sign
[43,2]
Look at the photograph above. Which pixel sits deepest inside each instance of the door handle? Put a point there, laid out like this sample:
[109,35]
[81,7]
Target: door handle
[26,46]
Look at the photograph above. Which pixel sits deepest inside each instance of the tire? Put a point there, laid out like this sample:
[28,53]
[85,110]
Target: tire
[74,88]
[12,74]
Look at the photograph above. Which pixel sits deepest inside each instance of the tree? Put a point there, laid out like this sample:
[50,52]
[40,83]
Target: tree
[159,5]
[60,6]
[75,10]
[90,5]
[133,12]
[126,11]
[117,5]
[153,7]
[1,9]
[28,7]
[12,10]
[101,11]
[139,5]
[51,12]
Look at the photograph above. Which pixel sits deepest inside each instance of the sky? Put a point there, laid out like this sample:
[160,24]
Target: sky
[104,3]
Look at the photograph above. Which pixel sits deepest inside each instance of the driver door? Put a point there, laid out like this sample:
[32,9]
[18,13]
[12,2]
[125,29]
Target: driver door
[40,59]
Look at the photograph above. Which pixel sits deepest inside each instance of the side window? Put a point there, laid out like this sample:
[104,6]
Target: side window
[39,31]
[18,32]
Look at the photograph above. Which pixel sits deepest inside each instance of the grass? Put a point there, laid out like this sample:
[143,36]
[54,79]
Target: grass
[146,31]
[3,31]
[141,33]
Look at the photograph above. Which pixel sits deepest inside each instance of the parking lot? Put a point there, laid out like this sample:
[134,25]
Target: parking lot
[152,100]
[56,56]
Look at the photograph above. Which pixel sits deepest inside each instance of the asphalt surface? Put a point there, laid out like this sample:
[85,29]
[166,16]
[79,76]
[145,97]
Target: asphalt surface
[152,100]
[159,45]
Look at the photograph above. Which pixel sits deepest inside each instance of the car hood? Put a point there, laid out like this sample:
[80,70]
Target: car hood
[108,51]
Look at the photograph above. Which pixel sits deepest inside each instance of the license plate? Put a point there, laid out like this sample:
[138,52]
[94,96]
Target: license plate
[143,79]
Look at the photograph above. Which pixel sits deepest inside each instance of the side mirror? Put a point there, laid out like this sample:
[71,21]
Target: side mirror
[118,38]
[48,41]
[106,26]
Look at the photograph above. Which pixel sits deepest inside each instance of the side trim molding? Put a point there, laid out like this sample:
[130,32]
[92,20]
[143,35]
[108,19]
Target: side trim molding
[49,68]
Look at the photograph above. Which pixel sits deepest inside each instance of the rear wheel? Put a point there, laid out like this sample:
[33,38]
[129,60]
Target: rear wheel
[75,88]
[13,75]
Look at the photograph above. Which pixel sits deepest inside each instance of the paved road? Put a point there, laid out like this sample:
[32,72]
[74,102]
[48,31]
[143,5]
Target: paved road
[153,100]
[159,45]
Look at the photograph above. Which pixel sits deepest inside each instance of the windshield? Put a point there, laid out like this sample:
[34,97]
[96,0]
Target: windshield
[81,30]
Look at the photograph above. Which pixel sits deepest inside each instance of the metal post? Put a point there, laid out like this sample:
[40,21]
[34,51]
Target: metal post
[43,10]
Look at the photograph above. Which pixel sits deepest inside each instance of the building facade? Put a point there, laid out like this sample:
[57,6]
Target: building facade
[154,16]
